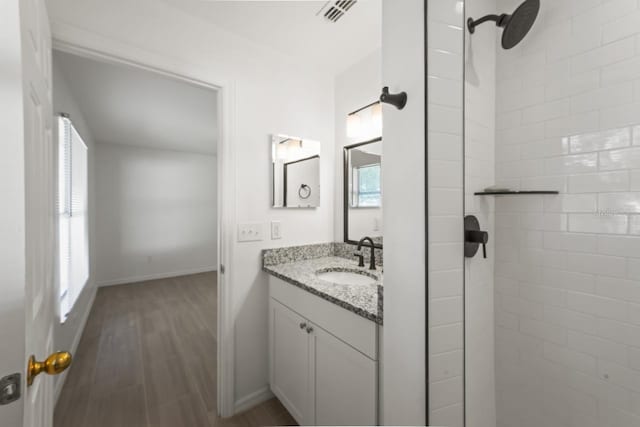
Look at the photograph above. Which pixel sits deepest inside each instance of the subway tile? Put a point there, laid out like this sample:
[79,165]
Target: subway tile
[566,165]
[544,222]
[601,140]
[444,311]
[598,347]
[445,174]
[620,115]
[546,111]
[603,98]
[443,283]
[445,338]
[449,12]
[444,64]
[445,92]
[543,330]
[567,86]
[627,158]
[619,246]
[599,57]
[445,146]
[595,223]
[620,28]
[597,264]
[544,294]
[445,256]
[620,375]
[446,365]
[633,268]
[622,289]
[570,319]
[599,182]
[620,332]
[571,203]
[445,119]
[570,280]
[623,71]
[634,224]
[445,37]
[443,201]
[619,203]
[575,242]
[570,358]
[609,308]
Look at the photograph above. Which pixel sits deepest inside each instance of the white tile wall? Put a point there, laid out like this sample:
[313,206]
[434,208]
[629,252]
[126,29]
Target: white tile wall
[567,267]
[445,119]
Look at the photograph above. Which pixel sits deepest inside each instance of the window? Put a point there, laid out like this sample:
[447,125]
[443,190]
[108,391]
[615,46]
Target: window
[369,186]
[73,238]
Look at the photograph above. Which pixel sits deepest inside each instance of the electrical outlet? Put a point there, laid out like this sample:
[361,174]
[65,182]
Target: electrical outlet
[276,230]
[250,232]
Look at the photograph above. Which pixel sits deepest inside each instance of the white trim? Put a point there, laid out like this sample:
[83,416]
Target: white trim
[81,42]
[253,399]
[75,343]
[135,279]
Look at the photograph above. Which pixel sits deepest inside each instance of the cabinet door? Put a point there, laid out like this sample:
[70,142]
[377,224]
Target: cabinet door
[345,391]
[290,356]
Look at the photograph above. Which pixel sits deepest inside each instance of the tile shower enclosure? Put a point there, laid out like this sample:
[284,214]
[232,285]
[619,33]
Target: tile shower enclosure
[553,315]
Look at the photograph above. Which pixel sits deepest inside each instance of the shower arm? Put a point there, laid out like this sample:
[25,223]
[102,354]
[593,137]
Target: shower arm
[500,20]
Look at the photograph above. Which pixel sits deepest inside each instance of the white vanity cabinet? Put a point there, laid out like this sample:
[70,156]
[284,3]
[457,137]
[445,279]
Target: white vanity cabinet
[323,359]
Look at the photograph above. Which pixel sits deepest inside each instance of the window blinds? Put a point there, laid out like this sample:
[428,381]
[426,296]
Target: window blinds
[73,224]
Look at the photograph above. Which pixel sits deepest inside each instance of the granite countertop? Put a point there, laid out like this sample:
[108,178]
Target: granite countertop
[363,300]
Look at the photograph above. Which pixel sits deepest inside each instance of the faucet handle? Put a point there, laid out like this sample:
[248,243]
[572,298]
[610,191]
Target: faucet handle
[360,259]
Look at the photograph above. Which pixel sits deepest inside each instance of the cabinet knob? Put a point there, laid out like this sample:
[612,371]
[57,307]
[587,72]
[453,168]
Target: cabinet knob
[309,329]
[303,325]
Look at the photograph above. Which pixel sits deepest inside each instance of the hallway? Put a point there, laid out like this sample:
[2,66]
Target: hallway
[147,358]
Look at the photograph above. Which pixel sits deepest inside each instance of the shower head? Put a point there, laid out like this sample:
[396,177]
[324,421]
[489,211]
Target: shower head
[515,26]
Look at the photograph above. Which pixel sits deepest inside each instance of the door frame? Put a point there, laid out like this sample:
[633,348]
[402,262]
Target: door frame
[116,53]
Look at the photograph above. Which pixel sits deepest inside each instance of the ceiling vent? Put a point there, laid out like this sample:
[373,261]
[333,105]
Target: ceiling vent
[334,10]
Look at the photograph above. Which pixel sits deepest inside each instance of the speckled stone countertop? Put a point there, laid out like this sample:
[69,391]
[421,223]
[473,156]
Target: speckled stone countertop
[363,300]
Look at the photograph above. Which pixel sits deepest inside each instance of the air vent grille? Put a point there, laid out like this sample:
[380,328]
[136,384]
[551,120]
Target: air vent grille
[333,11]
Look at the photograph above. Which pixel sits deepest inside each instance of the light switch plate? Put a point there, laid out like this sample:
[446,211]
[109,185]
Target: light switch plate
[276,230]
[250,232]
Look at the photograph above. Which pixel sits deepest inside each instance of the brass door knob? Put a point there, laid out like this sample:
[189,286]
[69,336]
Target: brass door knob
[54,365]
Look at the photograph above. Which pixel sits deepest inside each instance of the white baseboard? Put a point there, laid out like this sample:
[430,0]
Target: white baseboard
[74,345]
[253,399]
[134,279]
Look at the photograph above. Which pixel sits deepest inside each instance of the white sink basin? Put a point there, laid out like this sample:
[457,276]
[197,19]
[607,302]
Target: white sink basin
[346,278]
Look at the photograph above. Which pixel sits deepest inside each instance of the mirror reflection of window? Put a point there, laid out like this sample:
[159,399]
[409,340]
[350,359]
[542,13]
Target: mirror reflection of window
[368,185]
[363,191]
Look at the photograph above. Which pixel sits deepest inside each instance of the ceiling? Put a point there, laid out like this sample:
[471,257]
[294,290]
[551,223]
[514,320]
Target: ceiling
[292,28]
[130,106]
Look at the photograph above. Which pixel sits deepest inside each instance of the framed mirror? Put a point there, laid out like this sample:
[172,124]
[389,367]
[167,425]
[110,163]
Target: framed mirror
[295,178]
[363,191]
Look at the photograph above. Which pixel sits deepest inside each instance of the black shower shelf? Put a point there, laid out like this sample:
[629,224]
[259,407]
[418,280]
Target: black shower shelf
[512,193]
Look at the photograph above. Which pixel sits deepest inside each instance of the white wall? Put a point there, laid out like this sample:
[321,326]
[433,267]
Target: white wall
[67,335]
[445,163]
[156,213]
[567,269]
[355,87]
[273,94]
[479,173]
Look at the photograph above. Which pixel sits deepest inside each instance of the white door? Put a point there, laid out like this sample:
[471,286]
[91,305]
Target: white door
[345,383]
[290,361]
[27,214]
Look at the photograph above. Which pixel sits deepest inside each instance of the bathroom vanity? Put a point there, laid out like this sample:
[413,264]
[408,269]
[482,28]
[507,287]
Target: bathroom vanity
[325,321]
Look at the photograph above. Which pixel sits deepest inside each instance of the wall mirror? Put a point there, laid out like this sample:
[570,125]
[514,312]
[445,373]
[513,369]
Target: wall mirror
[363,191]
[295,174]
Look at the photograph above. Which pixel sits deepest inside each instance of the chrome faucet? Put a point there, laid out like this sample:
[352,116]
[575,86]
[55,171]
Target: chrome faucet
[372,262]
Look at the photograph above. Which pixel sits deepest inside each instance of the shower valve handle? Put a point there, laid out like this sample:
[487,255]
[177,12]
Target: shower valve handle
[474,237]
[480,237]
